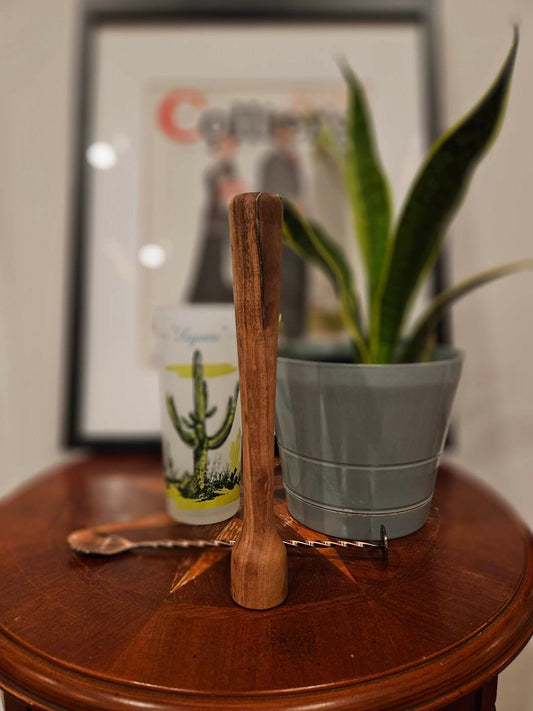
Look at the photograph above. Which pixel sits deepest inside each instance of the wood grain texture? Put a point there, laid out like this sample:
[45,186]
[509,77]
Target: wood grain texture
[453,608]
[259,559]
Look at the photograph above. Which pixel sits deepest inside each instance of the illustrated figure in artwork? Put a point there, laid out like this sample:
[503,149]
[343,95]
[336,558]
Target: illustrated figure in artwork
[280,173]
[222,182]
[205,482]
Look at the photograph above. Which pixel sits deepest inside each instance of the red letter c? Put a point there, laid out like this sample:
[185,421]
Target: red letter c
[166,114]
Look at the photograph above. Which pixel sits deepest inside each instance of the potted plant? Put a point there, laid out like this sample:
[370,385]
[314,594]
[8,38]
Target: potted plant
[360,441]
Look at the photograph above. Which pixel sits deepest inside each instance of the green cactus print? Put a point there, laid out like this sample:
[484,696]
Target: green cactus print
[192,429]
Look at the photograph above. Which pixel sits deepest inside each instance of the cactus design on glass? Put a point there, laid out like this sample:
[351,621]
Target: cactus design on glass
[202,484]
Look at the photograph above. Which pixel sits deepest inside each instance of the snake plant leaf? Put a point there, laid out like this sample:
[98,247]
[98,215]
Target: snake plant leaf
[311,241]
[416,345]
[433,200]
[366,181]
[330,149]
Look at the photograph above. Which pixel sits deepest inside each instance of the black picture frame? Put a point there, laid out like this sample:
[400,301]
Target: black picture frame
[95,14]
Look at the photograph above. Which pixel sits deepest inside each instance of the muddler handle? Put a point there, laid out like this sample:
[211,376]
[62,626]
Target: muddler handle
[259,558]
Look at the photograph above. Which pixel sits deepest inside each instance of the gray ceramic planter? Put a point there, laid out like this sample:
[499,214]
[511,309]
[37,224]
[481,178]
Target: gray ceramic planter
[360,444]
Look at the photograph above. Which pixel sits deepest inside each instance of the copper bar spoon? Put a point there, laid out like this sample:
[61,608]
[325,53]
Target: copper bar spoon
[92,541]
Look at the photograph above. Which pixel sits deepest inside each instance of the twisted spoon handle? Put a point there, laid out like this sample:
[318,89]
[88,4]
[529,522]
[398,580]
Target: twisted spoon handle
[185,543]
[228,543]
[382,545]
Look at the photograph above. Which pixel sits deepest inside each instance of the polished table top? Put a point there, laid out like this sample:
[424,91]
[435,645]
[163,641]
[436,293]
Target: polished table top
[158,629]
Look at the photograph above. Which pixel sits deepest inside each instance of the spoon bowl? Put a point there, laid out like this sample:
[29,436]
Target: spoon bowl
[94,542]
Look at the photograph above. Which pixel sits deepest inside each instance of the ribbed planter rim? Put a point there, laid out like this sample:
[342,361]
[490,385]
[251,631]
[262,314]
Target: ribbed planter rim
[447,352]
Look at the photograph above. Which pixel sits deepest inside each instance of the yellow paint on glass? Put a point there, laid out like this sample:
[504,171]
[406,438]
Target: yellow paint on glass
[211,370]
[228,496]
[235,453]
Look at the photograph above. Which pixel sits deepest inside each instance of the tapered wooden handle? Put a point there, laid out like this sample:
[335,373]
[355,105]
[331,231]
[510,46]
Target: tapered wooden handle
[259,559]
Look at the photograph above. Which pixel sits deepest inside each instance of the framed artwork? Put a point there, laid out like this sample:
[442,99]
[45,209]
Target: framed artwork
[181,106]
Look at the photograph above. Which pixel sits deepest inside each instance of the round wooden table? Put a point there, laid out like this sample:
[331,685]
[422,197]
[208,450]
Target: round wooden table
[157,630]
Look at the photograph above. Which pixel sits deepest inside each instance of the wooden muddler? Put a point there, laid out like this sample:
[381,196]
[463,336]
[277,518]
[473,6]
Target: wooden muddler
[259,558]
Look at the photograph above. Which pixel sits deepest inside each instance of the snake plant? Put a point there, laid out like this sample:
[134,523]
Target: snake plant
[398,256]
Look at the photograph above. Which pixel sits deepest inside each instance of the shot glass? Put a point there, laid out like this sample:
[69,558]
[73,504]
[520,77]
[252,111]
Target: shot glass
[200,411]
